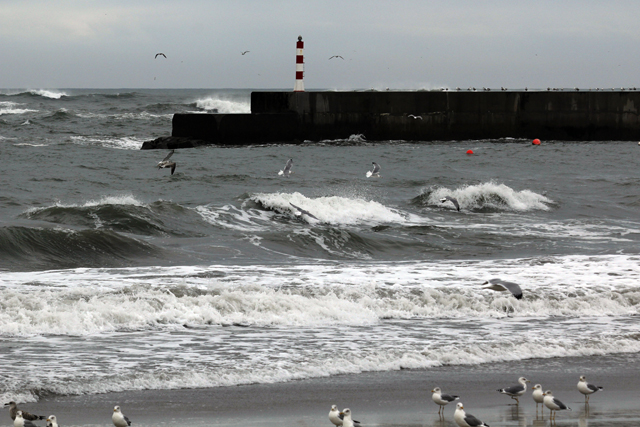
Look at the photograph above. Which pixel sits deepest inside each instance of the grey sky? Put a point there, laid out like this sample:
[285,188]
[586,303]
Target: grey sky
[409,44]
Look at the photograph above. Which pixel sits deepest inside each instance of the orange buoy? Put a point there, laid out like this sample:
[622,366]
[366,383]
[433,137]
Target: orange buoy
[469,151]
[536,141]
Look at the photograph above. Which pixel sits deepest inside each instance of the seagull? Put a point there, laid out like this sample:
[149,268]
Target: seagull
[375,171]
[51,421]
[118,418]
[585,388]
[160,54]
[516,390]
[466,420]
[337,56]
[246,51]
[553,404]
[302,212]
[346,418]
[415,117]
[336,417]
[452,200]
[13,411]
[21,422]
[502,285]
[442,399]
[287,168]
[538,395]
[165,163]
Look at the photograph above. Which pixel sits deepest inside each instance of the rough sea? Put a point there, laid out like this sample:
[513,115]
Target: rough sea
[116,275]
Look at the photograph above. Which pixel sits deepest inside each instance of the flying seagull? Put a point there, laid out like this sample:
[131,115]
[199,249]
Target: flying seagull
[414,117]
[466,420]
[442,399]
[516,391]
[375,171]
[336,418]
[165,163]
[287,168]
[452,200]
[119,419]
[160,54]
[13,411]
[553,404]
[246,51]
[503,286]
[302,211]
[585,388]
[337,56]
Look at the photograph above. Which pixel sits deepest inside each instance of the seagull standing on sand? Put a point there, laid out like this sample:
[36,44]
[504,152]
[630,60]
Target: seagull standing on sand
[21,422]
[466,420]
[347,421]
[452,200]
[287,168]
[118,418]
[52,421]
[375,171]
[538,396]
[337,418]
[442,399]
[585,388]
[503,286]
[516,390]
[553,404]
[13,411]
[165,163]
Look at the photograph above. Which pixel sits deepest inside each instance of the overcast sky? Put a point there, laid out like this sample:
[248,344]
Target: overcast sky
[409,44]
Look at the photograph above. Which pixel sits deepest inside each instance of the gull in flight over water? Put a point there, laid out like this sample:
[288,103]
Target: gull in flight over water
[165,163]
[301,212]
[414,117]
[246,51]
[287,168]
[503,286]
[337,56]
[452,200]
[160,54]
[375,171]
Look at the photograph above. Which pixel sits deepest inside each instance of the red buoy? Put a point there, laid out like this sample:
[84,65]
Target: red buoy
[536,141]
[469,151]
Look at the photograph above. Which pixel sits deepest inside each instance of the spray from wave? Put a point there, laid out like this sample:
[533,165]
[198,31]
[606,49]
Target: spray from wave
[486,196]
[224,106]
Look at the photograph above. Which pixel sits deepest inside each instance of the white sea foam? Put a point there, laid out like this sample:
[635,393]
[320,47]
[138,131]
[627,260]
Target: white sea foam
[125,143]
[125,199]
[332,209]
[48,93]
[325,319]
[491,195]
[222,105]
[7,107]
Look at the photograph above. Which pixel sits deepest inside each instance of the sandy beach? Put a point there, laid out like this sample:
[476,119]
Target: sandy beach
[399,398]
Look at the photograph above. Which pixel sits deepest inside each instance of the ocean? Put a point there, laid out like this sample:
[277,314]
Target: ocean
[118,276]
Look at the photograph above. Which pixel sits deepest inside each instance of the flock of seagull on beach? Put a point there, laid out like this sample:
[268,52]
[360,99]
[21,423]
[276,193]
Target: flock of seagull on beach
[463,419]
[25,419]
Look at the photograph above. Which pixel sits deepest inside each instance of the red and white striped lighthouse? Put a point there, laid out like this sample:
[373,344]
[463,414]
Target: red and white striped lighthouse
[299,86]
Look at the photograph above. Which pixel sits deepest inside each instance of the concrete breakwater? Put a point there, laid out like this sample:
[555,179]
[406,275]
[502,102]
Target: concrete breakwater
[418,116]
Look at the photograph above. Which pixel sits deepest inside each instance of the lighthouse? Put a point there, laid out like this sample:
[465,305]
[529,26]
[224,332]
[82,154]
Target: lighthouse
[299,86]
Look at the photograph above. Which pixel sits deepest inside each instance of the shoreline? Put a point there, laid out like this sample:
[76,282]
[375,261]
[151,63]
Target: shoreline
[395,398]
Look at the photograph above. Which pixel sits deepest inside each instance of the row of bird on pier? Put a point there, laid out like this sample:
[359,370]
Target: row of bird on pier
[344,419]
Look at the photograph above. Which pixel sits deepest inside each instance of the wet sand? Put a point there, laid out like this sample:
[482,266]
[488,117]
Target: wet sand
[399,398]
